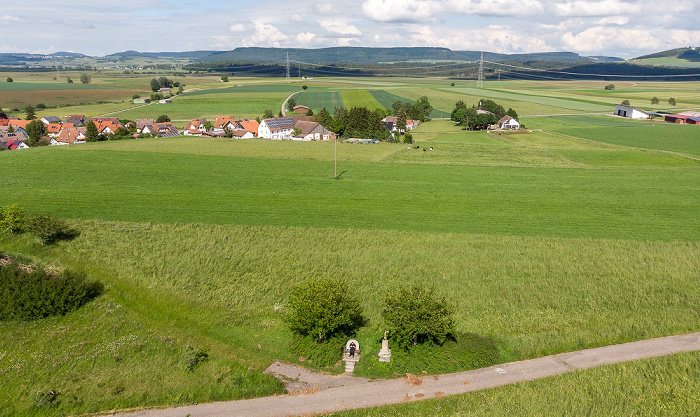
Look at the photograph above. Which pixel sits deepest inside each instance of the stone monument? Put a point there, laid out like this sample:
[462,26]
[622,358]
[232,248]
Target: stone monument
[385,352]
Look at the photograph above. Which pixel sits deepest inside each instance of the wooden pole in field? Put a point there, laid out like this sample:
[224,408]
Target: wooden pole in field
[335,168]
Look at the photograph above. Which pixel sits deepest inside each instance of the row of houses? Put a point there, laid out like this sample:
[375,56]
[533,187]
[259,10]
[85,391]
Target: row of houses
[277,128]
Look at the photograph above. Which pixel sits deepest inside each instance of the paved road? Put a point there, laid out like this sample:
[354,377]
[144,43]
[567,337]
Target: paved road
[350,393]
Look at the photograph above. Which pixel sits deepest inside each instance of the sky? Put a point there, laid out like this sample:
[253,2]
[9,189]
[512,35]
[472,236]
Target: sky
[621,28]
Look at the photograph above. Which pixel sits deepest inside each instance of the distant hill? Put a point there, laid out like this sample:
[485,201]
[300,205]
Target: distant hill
[358,55]
[671,53]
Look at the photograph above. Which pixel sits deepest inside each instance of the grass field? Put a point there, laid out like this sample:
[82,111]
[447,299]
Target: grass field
[583,234]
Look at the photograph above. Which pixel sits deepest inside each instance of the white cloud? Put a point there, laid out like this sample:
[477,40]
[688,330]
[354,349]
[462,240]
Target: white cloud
[339,27]
[305,38]
[297,18]
[596,8]
[402,10]
[238,27]
[599,38]
[265,35]
[9,19]
[615,20]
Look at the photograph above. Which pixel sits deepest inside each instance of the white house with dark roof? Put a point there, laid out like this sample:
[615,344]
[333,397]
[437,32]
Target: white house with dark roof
[508,123]
[313,131]
[277,128]
[630,112]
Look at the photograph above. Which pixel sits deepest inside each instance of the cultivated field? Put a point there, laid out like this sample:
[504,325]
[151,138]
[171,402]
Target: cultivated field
[581,233]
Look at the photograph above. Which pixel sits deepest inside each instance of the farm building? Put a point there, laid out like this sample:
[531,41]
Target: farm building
[299,109]
[313,131]
[277,128]
[142,100]
[508,123]
[630,112]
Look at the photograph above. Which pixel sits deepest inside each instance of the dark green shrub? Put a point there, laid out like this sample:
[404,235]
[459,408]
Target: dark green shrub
[46,399]
[417,315]
[322,308]
[27,294]
[50,229]
[192,357]
[408,138]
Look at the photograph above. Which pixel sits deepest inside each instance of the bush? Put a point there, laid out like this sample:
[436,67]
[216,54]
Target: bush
[46,399]
[50,229]
[610,87]
[417,315]
[9,79]
[323,308]
[625,102]
[192,357]
[28,294]
[408,138]
[13,219]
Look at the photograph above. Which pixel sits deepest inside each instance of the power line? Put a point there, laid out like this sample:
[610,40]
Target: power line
[591,74]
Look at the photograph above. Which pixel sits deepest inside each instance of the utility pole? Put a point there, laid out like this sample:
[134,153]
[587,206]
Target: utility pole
[480,80]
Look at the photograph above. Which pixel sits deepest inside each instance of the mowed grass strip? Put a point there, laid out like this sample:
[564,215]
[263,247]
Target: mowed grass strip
[359,98]
[147,186]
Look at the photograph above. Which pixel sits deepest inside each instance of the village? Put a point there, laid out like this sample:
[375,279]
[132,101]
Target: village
[74,129]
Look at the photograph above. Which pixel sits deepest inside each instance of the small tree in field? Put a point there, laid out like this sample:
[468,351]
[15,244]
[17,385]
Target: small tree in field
[417,315]
[322,308]
[655,100]
[224,78]
[672,101]
[625,102]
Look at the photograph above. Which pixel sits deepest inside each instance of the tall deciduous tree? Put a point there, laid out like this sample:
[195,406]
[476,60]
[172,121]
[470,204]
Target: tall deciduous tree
[401,121]
[84,78]
[30,113]
[35,131]
[155,85]
[417,315]
[424,104]
[322,308]
[91,134]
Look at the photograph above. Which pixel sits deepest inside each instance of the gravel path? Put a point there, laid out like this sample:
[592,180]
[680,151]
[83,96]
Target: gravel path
[312,393]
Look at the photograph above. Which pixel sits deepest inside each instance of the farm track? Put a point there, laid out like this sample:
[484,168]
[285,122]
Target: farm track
[335,393]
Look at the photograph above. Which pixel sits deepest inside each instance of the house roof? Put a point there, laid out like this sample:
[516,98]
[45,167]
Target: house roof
[80,117]
[306,127]
[6,137]
[280,123]
[20,123]
[237,133]
[51,119]
[70,135]
[194,124]
[692,114]
[222,121]
[250,125]
[14,144]
[505,119]
[53,128]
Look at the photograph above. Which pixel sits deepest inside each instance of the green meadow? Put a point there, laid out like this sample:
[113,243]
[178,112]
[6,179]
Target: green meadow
[580,232]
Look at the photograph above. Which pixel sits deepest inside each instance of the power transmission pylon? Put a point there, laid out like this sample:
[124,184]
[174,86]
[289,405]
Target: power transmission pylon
[288,79]
[480,80]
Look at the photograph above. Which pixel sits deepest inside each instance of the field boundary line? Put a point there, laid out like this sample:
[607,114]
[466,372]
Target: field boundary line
[363,394]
